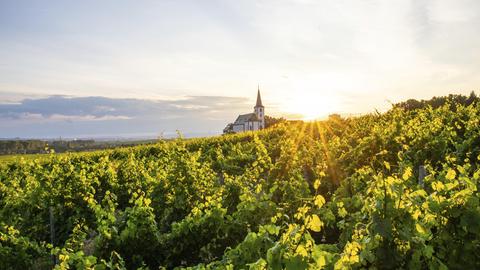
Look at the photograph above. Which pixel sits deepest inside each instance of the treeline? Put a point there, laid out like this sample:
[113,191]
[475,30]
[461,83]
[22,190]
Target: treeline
[8,147]
[271,121]
[436,102]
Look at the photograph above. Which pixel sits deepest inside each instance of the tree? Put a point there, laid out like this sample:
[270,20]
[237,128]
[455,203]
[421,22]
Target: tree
[435,102]
[271,121]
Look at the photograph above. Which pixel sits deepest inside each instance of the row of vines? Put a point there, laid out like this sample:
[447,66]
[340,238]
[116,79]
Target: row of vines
[344,193]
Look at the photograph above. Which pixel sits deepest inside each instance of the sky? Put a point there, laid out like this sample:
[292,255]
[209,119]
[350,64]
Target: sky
[147,68]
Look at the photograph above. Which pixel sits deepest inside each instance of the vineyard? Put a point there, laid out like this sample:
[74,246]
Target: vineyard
[396,190]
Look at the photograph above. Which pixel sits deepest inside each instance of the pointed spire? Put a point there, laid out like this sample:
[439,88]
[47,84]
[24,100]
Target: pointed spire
[259,99]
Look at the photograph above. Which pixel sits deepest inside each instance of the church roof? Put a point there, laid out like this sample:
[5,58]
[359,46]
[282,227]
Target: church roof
[249,117]
[259,99]
[228,128]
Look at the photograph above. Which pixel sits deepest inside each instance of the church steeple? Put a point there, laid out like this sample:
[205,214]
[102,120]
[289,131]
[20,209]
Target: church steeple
[259,99]
[259,109]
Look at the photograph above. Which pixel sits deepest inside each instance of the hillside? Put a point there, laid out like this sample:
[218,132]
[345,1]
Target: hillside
[385,191]
[19,146]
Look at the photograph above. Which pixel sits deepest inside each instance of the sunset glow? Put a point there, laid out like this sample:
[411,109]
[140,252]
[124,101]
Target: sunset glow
[193,66]
[311,106]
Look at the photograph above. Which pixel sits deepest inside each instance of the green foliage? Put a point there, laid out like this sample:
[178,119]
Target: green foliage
[338,194]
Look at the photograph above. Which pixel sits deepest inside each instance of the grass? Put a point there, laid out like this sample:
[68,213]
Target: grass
[17,157]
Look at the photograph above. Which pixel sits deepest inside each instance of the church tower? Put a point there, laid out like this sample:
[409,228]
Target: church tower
[260,110]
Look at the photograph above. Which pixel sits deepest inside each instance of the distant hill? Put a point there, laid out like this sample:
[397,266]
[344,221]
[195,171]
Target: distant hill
[9,146]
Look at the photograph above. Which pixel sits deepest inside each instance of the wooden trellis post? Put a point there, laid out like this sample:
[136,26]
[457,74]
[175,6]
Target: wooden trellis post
[421,174]
[52,233]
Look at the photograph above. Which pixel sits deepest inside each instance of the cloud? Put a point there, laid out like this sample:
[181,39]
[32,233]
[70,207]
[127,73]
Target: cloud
[95,108]
[87,117]
[100,115]
[374,50]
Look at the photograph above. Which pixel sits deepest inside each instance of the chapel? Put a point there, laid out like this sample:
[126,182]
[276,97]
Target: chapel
[250,121]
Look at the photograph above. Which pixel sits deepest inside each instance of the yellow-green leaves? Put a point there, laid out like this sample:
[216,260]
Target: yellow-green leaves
[314,223]
[302,251]
[321,262]
[420,229]
[416,214]
[419,193]
[319,201]
[451,174]
[271,229]
[342,212]
[438,186]
[258,189]
[350,256]
[301,212]
[387,165]
[407,173]
[147,201]
[316,184]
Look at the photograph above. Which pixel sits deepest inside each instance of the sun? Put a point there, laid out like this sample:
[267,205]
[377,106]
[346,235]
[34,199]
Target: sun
[312,106]
[316,96]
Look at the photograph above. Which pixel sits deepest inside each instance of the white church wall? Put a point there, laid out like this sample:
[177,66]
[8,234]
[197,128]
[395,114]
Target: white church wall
[238,128]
